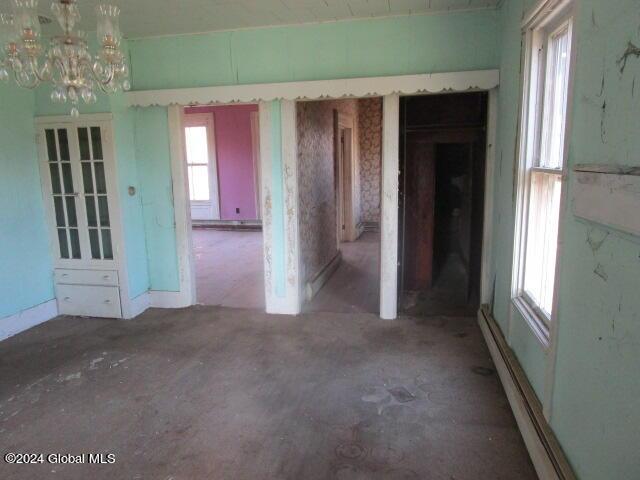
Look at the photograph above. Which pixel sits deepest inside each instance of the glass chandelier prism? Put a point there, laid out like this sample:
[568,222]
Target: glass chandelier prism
[65,62]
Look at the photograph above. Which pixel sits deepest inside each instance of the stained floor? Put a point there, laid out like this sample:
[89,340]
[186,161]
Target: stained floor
[229,268]
[215,393]
[355,286]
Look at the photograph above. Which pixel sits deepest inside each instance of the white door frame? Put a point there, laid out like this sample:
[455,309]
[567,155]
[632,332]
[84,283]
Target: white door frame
[390,88]
[213,204]
[346,190]
[255,155]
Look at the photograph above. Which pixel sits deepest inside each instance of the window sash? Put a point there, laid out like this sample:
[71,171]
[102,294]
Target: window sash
[541,239]
[546,100]
[554,106]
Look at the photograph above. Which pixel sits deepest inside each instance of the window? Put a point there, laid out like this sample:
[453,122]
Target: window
[198,163]
[542,162]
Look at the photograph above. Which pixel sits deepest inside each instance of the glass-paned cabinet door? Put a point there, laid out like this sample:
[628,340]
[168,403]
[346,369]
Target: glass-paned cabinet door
[95,192]
[79,191]
[63,192]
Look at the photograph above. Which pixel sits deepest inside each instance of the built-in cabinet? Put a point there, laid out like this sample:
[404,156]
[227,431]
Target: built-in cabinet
[80,192]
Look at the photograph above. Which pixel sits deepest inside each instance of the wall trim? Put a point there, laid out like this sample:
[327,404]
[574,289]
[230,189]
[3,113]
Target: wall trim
[28,318]
[161,299]
[138,305]
[181,206]
[389,207]
[318,89]
[544,449]
[317,282]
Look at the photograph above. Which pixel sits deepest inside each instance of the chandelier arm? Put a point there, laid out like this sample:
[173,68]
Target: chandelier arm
[60,68]
[102,81]
[28,85]
[37,71]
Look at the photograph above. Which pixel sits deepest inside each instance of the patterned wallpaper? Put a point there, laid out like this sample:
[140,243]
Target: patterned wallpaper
[370,131]
[317,216]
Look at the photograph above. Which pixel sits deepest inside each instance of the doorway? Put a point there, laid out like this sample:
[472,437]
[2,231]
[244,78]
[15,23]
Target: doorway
[222,157]
[339,163]
[441,203]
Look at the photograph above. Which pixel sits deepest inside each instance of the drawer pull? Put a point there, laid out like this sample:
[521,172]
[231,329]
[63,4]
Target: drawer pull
[65,275]
[67,299]
[106,277]
[107,301]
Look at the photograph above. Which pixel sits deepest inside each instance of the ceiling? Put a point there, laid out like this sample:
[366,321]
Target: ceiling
[145,18]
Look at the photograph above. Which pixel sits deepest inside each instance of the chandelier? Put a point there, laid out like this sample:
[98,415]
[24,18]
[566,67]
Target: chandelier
[66,62]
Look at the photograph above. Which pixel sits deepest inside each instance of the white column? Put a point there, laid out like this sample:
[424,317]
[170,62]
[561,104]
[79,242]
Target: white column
[389,208]
[278,159]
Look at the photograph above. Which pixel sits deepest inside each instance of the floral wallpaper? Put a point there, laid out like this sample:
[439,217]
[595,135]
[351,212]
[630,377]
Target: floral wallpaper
[370,132]
[317,214]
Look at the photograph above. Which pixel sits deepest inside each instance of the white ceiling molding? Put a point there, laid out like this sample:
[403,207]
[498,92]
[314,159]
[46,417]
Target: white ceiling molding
[319,89]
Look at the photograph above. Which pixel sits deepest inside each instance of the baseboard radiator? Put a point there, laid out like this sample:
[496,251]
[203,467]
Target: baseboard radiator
[546,454]
[318,281]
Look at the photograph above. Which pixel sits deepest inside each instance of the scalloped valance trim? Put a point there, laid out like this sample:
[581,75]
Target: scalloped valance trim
[319,89]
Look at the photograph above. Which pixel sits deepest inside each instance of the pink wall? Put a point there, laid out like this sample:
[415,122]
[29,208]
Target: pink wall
[235,159]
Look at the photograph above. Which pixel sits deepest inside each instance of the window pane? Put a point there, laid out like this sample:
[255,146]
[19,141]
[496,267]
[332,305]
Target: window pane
[67,179]
[92,218]
[197,148]
[62,240]
[106,244]
[95,243]
[87,177]
[83,139]
[199,182]
[96,143]
[71,211]
[75,243]
[103,209]
[555,101]
[51,145]
[64,144]
[55,178]
[57,202]
[101,183]
[542,238]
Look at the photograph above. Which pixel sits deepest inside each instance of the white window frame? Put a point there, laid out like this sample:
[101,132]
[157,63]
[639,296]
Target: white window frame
[544,20]
[205,120]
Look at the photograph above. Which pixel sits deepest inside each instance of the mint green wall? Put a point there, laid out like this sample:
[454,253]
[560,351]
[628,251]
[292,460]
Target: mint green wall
[154,166]
[391,46]
[596,396]
[26,278]
[131,205]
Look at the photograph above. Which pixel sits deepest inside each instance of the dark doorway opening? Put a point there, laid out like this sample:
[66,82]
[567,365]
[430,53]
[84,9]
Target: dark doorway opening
[442,168]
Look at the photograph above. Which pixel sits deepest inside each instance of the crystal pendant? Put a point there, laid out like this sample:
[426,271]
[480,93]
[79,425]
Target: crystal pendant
[75,113]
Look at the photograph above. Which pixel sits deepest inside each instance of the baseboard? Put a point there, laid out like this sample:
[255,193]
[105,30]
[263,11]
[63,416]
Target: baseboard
[234,225]
[545,451]
[160,299]
[314,286]
[138,305]
[371,226]
[26,319]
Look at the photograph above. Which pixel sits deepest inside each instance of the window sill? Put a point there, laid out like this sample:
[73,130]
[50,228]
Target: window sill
[536,322]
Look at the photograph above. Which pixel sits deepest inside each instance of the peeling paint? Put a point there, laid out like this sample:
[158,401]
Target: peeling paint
[599,271]
[631,51]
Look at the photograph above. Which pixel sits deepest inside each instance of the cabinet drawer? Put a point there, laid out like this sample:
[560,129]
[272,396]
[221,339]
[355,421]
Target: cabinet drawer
[90,301]
[86,277]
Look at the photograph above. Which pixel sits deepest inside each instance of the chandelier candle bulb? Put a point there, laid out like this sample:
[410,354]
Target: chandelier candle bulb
[66,63]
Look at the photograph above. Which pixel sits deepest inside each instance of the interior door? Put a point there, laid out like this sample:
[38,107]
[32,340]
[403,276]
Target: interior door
[202,166]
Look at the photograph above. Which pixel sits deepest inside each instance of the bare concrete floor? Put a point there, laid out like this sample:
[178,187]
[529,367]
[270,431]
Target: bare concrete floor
[355,286]
[229,268]
[214,393]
